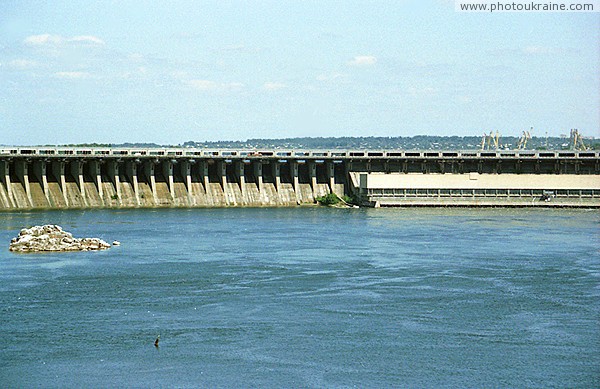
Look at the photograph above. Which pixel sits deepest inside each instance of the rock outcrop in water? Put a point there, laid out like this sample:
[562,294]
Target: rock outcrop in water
[53,238]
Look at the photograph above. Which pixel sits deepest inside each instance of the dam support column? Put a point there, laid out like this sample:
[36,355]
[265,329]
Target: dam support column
[131,172]
[39,170]
[167,169]
[5,178]
[276,165]
[186,173]
[312,173]
[23,175]
[442,166]
[58,170]
[240,173]
[258,173]
[204,173]
[222,172]
[113,173]
[347,186]
[149,173]
[77,173]
[331,175]
[295,182]
[96,174]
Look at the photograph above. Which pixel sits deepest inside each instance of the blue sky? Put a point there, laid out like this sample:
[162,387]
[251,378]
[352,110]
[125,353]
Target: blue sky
[169,72]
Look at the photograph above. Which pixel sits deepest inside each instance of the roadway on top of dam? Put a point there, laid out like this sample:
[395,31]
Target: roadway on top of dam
[8,152]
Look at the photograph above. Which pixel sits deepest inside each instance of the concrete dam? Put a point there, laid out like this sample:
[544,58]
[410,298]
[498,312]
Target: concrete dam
[72,177]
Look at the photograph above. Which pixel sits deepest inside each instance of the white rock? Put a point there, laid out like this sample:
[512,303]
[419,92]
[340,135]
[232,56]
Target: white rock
[53,238]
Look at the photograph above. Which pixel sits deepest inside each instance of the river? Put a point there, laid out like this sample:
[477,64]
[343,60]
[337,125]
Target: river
[305,297]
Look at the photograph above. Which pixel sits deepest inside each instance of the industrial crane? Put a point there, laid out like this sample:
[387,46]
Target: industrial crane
[523,140]
[487,141]
[577,140]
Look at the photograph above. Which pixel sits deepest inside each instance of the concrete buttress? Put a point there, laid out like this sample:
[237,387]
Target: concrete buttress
[113,173]
[96,173]
[149,173]
[167,167]
[39,170]
[77,173]
[21,168]
[58,169]
[131,172]
[5,178]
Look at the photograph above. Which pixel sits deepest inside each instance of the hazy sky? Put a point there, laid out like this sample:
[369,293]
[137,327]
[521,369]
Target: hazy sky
[173,71]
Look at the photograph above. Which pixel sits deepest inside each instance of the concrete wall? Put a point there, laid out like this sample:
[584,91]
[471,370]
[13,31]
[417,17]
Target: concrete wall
[40,183]
[474,189]
[480,181]
[97,180]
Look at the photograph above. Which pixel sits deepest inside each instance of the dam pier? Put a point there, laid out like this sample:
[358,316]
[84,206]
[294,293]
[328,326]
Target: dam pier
[77,177]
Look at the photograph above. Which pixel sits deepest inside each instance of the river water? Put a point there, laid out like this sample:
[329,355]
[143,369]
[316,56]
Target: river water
[306,297]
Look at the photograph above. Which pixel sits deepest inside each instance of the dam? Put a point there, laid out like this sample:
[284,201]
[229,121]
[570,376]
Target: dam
[97,177]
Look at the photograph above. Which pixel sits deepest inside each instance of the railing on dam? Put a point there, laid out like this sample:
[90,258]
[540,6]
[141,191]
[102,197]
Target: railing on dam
[395,193]
[296,154]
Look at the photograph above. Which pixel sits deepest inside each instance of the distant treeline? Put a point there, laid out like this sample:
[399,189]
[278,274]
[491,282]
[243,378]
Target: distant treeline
[401,142]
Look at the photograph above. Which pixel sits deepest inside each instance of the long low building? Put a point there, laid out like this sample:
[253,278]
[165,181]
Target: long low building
[475,189]
[63,177]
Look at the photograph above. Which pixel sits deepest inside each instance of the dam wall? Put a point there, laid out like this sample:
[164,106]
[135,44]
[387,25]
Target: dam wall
[38,179]
[62,177]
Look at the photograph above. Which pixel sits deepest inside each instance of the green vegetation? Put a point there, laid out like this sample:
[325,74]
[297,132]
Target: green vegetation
[417,142]
[329,199]
[333,199]
[350,199]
